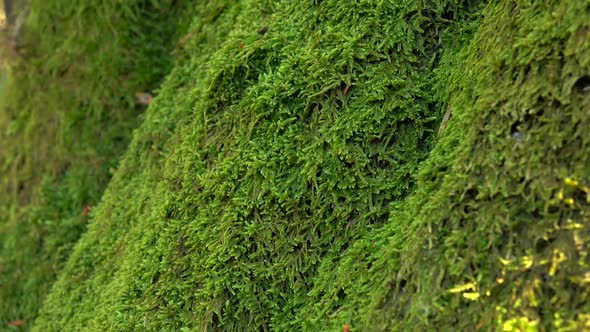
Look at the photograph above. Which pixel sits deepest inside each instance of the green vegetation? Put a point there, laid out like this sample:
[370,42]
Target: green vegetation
[68,115]
[291,174]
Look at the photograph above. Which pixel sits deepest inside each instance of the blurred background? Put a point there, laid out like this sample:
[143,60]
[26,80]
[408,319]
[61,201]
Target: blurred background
[3,46]
[10,23]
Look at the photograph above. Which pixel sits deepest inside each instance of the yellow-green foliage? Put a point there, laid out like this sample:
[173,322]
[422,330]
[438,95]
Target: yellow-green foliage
[290,175]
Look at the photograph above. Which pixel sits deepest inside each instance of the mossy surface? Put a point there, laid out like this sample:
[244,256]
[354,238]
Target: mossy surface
[67,113]
[291,175]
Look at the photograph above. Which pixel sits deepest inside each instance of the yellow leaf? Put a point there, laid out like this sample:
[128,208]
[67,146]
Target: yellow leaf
[560,195]
[581,280]
[462,288]
[471,296]
[573,225]
[558,257]
[571,182]
[526,262]
[585,319]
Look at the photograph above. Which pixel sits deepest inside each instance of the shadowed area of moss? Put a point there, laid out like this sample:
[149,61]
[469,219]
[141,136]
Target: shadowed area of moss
[66,117]
[290,175]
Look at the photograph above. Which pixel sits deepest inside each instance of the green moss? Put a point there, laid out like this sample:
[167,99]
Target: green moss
[292,177]
[66,117]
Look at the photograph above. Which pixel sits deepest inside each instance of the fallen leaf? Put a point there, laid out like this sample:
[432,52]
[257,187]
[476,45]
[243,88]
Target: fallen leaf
[144,98]
[482,322]
[86,210]
[186,37]
[346,90]
[443,123]
[18,322]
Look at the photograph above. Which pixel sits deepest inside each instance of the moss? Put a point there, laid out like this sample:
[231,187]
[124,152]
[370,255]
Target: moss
[66,117]
[290,175]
